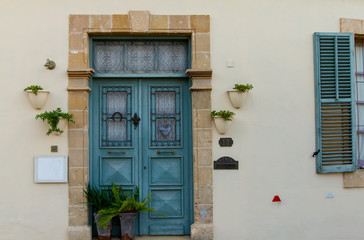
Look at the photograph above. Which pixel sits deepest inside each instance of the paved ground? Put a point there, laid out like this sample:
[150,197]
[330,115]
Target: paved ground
[163,238]
[157,238]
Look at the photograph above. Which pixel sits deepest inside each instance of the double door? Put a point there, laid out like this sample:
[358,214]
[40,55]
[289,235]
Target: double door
[141,135]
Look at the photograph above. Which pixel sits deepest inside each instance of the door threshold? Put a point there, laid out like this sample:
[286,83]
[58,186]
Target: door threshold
[162,237]
[153,238]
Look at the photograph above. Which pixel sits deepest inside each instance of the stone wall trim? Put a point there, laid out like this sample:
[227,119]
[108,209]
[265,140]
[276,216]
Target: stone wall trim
[79,73]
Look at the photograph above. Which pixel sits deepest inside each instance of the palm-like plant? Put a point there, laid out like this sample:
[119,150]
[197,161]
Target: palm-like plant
[125,202]
[98,199]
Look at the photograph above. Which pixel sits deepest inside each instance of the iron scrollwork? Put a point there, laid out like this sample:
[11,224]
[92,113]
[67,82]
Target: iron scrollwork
[135,120]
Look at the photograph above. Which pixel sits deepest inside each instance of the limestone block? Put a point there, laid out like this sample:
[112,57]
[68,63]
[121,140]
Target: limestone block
[201,23]
[139,21]
[80,118]
[350,25]
[201,100]
[79,232]
[201,118]
[205,175]
[78,23]
[78,157]
[354,179]
[77,138]
[101,22]
[78,176]
[120,21]
[203,213]
[202,137]
[178,22]
[77,100]
[202,231]
[205,194]
[159,22]
[202,42]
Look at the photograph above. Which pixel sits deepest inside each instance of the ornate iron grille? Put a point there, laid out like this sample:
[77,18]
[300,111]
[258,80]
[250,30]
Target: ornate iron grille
[137,56]
[116,126]
[165,116]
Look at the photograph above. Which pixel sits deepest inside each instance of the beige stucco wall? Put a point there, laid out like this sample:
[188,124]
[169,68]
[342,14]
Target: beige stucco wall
[270,43]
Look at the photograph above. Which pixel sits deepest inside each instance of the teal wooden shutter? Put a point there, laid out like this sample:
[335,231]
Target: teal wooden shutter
[335,106]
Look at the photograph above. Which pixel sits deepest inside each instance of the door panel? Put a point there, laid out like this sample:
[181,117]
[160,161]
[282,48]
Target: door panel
[166,171]
[167,157]
[155,155]
[118,170]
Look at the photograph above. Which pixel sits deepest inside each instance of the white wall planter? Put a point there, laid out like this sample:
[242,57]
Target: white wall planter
[236,97]
[39,100]
[221,125]
[61,125]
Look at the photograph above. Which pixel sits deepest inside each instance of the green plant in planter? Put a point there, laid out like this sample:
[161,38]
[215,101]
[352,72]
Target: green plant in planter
[226,115]
[125,202]
[243,87]
[53,119]
[34,88]
[98,199]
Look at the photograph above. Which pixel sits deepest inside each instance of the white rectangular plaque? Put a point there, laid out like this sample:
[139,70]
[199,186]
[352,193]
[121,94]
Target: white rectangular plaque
[50,169]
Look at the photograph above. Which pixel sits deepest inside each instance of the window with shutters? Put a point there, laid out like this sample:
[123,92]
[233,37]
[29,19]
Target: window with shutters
[335,102]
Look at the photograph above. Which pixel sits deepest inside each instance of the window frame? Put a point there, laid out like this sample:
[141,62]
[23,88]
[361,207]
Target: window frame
[358,38]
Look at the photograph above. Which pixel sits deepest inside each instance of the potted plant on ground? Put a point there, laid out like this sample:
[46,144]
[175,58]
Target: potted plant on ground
[126,205]
[56,119]
[222,120]
[37,96]
[236,94]
[99,199]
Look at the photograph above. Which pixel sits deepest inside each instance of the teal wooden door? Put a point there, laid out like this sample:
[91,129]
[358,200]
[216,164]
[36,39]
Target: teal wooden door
[154,153]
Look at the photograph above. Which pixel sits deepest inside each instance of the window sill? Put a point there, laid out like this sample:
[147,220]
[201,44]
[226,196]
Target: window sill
[354,179]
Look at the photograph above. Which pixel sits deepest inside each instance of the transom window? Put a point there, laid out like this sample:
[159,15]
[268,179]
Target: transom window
[140,56]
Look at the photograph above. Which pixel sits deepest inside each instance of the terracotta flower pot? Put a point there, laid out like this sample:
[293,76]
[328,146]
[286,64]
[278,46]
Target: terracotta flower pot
[39,100]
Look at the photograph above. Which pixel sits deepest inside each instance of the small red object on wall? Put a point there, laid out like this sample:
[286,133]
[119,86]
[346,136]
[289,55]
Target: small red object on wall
[276,199]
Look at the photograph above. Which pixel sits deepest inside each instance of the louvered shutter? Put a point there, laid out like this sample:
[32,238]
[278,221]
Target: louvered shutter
[335,106]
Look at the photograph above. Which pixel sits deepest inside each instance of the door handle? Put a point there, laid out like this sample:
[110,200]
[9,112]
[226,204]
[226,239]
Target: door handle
[159,152]
[135,120]
[110,152]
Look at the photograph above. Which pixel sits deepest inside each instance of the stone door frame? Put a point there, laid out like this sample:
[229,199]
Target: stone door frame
[79,73]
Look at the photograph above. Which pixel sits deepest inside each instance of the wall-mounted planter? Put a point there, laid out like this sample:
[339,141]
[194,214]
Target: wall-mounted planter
[236,98]
[56,119]
[221,125]
[39,100]
[63,122]
[237,94]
